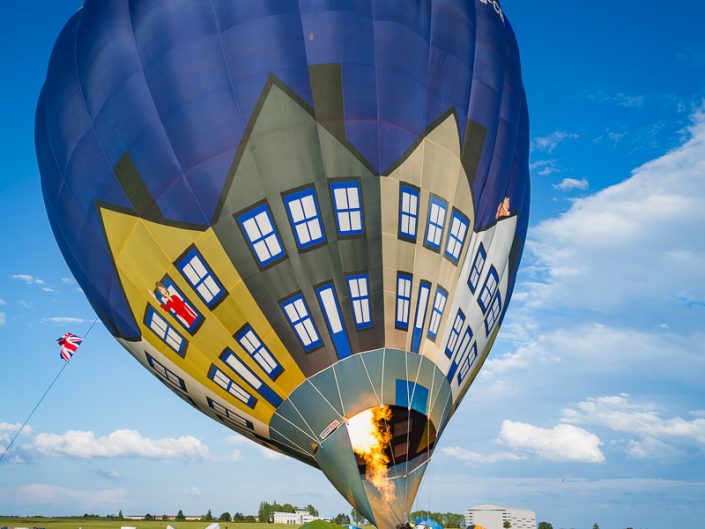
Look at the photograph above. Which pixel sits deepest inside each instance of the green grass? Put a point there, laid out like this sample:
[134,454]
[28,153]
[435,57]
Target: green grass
[76,523]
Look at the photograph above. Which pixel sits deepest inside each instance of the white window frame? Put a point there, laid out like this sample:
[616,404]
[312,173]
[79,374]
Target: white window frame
[222,379]
[435,223]
[260,232]
[458,323]
[489,288]
[459,226]
[305,218]
[403,297]
[478,265]
[166,332]
[200,276]
[408,212]
[253,345]
[359,289]
[299,317]
[347,202]
[492,316]
[439,305]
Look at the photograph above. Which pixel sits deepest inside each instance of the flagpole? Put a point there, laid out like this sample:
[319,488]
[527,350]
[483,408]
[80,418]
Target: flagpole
[17,434]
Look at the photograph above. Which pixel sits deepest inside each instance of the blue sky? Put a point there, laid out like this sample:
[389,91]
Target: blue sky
[592,405]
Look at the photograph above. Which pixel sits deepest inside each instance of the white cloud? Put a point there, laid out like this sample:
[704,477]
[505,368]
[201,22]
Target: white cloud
[619,99]
[3,319]
[544,167]
[239,440]
[44,494]
[655,432]
[583,349]
[7,430]
[65,319]
[29,279]
[192,491]
[50,290]
[67,281]
[560,443]
[636,244]
[463,454]
[120,443]
[549,143]
[568,184]
[2,302]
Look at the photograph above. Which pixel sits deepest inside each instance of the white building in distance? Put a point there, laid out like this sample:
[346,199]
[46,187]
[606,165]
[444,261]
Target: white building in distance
[494,517]
[294,518]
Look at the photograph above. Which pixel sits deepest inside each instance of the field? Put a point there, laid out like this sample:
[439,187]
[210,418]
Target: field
[83,523]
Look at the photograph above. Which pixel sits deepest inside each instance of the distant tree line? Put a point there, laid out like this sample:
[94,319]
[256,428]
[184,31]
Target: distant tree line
[448,520]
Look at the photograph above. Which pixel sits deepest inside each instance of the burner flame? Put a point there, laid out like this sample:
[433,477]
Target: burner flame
[370,435]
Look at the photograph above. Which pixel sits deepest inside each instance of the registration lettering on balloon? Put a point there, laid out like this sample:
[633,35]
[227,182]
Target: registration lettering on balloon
[313,241]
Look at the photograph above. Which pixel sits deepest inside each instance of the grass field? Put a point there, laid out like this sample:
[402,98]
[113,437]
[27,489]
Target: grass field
[82,523]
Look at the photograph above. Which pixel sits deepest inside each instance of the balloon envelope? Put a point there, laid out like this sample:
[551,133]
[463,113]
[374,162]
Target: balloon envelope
[294,212]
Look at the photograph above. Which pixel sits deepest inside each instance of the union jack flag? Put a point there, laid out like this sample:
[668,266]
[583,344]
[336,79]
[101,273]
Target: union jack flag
[69,344]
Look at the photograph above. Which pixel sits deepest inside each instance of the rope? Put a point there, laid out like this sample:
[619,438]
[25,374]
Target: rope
[17,434]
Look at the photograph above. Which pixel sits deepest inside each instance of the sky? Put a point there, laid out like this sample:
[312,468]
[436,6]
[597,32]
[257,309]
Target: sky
[591,407]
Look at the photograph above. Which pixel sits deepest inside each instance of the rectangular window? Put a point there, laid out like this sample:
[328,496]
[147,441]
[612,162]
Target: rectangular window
[328,300]
[493,313]
[245,373]
[348,207]
[408,212]
[260,231]
[165,332]
[439,305]
[305,218]
[460,352]
[455,333]
[488,289]
[200,276]
[232,387]
[168,376]
[436,223]
[296,311]
[358,286]
[420,319]
[477,266]
[250,342]
[228,416]
[403,300]
[179,306]
[467,363]
[459,224]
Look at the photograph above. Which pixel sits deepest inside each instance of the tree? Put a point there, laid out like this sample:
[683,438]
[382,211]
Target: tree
[148,517]
[357,518]
[180,516]
[545,525]
[507,524]
[120,515]
[225,517]
[311,510]
[595,526]
[208,517]
[342,519]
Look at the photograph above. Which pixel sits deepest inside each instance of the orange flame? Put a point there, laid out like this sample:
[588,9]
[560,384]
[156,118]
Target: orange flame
[369,436]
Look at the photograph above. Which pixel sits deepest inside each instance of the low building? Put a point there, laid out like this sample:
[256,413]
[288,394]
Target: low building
[494,517]
[294,518]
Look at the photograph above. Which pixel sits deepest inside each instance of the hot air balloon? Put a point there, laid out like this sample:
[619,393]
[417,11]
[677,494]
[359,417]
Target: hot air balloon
[304,217]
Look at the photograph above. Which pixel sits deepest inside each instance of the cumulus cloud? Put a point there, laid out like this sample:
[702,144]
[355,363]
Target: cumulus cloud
[3,319]
[44,494]
[584,349]
[569,184]
[120,443]
[635,244]
[549,143]
[8,430]
[657,436]
[463,454]
[29,279]
[561,443]
[110,474]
